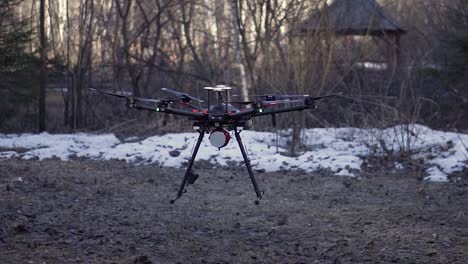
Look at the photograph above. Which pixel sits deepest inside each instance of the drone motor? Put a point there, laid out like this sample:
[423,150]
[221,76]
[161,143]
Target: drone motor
[219,137]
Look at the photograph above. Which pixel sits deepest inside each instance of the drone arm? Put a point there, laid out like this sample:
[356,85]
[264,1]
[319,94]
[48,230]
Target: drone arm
[262,112]
[142,108]
[251,112]
[168,110]
[194,115]
[191,106]
[246,113]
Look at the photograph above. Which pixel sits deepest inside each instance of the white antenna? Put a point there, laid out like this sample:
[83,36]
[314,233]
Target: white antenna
[218,88]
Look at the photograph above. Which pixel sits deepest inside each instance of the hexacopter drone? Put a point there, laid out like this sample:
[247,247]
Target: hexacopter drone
[220,117]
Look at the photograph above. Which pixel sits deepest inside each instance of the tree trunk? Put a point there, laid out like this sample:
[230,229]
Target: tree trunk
[42,70]
[235,14]
[67,94]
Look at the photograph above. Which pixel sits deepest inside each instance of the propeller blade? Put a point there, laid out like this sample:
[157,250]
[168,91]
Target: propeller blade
[157,101]
[271,99]
[266,102]
[109,93]
[276,102]
[184,97]
[276,97]
[241,102]
[326,96]
[281,97]
[147,100]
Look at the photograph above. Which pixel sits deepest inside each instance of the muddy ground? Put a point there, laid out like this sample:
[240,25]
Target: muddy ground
[111,212]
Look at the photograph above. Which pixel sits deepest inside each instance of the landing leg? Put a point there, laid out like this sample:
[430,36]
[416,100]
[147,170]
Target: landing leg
[249,168]
[188,173]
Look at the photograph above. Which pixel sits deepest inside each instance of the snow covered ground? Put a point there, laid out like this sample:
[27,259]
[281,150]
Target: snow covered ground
[340,150]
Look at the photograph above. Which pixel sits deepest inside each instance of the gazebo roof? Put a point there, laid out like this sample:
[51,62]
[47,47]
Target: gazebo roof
[352,17]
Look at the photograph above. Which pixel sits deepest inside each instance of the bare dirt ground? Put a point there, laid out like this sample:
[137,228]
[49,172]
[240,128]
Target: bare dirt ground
[110,212]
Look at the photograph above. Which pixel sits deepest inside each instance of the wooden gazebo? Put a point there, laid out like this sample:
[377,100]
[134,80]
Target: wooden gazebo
[357,18]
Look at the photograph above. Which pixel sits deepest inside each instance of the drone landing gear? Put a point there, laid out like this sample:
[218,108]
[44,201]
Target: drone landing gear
[249,168]
[190,177]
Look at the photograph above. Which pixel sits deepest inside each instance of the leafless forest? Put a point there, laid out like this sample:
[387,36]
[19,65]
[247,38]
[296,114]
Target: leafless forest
[396,63]
[52,51]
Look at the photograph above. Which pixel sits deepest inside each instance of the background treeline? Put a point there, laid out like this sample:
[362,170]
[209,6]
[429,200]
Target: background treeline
[139,46]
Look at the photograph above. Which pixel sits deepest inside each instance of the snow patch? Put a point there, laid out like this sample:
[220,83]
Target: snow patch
[340,150]
[7,154]
[398,166]
[345,172]
[436,175]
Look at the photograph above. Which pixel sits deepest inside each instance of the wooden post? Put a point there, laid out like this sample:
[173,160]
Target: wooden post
[397,50]
[392,51]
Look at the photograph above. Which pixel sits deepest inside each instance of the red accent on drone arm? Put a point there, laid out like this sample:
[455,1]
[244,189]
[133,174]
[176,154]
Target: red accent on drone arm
[197,116]
[190,106]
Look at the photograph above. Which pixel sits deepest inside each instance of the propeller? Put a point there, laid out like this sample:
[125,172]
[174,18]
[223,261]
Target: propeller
[184,97]
[266,103]
[277,97]
[109,93]
[241,102]
[326,96]
[277,102]
[273,97]
[271,100]
[132,99]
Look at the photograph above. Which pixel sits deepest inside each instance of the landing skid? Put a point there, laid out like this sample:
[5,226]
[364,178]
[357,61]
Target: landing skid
[190,177]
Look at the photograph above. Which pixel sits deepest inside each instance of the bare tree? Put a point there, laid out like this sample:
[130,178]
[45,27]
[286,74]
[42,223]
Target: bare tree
[43,72]
[237,48]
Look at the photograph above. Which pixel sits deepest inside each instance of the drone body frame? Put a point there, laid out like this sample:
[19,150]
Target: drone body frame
[219,118]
